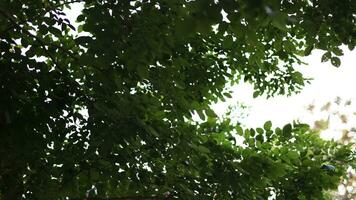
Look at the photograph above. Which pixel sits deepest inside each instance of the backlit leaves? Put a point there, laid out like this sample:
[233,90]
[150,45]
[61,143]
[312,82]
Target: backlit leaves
[335,61]
[106,111]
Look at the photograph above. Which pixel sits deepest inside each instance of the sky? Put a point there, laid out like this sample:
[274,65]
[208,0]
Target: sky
[328,83]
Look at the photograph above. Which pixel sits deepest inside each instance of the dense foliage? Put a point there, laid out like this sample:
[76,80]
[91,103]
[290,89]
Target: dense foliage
[141,69]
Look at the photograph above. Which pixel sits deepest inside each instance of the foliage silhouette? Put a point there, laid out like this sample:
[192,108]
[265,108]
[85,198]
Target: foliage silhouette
[141,69]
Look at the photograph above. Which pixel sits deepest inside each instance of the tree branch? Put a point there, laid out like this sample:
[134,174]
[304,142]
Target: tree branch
[27,32]
[38,39]
[44,45]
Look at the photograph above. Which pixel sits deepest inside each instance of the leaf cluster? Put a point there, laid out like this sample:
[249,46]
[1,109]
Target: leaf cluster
[106,115]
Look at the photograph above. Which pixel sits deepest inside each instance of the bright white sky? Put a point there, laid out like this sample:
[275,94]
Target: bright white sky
[329,82]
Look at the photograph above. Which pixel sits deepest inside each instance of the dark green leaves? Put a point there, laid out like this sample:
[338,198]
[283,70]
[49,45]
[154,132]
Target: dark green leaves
[110,114]
[227,95]
[326,56]
[335,61]
[228,42]
[83,40]
[287,131]
[201,114]
[298,78]
[55,31]
[267,125]
[80,18]
[308,50]
[210,113]
[239,130]
[255,94]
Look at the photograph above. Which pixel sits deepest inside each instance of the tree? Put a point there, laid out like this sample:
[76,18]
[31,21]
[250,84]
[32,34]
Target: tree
[141,70]
[339,112]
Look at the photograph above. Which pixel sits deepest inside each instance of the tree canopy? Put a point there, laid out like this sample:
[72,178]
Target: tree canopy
[103,110]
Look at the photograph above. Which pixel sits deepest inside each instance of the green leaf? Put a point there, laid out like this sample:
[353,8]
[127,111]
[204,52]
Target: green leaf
[43,29]
[278,170]
[335,61]
[80,18]
[252,132]
[259,130]
[279,22]
[287,131]
[269,134]
[298,78]
[142,71]
[247,134]
[289,46]
[293,155]
[267,125]
[83,40]
[94,174]
[55,31]
[239,130]
[25,42]
[203,149]
[227,95]
[227,42]
[326,56]
[210,113]
[260,138]
[201,114]
[152,131]
[308,50]
[80,28]
[186,27]
[337,51]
